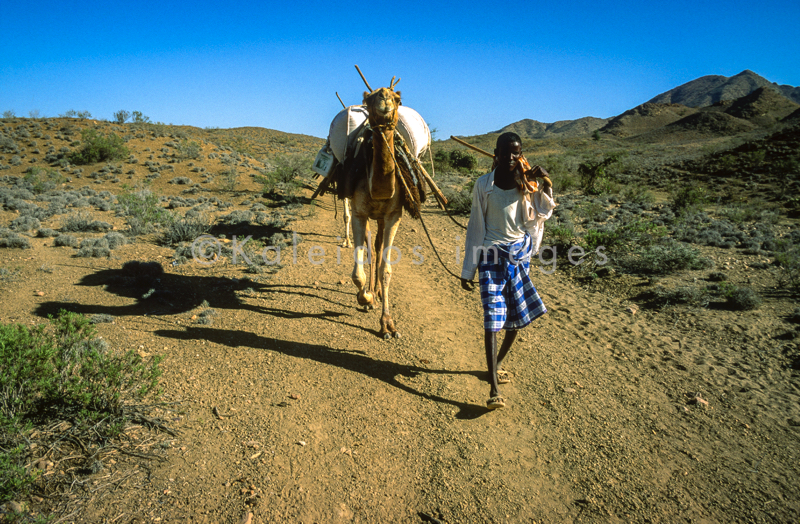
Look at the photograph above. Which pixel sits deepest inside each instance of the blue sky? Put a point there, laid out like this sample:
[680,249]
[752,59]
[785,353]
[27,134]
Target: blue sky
[467,67]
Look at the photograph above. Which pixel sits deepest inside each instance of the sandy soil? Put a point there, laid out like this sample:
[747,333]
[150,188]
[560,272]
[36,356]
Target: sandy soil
[289,408]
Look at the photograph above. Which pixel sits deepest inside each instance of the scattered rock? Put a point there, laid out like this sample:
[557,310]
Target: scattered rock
[632,309]
[295,396]
[302,442]
[700,401]
[569,390]
[247,518]
[39,293]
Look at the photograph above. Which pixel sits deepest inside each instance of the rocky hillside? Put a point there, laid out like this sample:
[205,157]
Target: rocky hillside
[710,89]
[528,128]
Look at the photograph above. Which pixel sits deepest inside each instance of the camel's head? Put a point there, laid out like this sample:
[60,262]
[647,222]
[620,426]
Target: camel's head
[382,106]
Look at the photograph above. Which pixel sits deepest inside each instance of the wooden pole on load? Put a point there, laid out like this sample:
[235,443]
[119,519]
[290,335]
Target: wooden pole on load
[474,148]
[364,79]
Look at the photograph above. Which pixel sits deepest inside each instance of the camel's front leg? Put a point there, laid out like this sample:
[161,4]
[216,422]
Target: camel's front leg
[359,276]
[388,257]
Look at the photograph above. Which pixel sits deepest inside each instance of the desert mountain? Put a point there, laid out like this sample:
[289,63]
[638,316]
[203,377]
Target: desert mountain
[708,90]
[528,128]
[646,117]
[763,106]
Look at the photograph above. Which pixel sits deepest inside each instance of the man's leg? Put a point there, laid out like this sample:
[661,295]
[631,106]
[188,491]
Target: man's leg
[491,361]
[508,340]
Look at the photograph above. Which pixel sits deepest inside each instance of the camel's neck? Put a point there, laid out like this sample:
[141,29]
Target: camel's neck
[381,182]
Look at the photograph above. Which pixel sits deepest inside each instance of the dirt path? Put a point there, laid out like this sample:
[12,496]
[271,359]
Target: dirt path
[289,406]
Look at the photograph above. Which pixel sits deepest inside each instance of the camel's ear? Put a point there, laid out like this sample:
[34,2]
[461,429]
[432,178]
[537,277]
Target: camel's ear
[366,95]
[397,97]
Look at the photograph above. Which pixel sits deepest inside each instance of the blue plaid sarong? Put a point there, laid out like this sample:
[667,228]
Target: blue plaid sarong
[509,299]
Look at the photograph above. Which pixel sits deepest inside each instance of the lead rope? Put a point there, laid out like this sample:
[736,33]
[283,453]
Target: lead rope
[433,174]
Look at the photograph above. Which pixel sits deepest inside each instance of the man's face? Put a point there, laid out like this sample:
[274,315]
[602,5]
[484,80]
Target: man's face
[508,155]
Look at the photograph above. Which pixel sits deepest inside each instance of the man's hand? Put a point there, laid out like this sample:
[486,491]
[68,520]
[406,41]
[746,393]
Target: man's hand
[467,285]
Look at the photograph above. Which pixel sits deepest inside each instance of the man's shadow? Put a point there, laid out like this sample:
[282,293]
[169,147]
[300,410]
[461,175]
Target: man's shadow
[383,370]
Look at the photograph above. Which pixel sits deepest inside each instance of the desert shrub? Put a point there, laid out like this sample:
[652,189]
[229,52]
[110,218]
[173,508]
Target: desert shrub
[689,197]
[238,217]
[593,177]
[42,180]
[99,148]
[63,370]
[184,230]
[740,298]
[664,258]
[143,211]
[560,236]
[101,318]
[638,233]
[563,183]
[94,247]
[83,222]
[13,240]
[637,194]
[749,213]
[121,116]
[115,239]
[66,240]
[25,223]
[187,149]
[289,168]
[181,180]
[689,295]
[459,202]
[229,178]
[46,232]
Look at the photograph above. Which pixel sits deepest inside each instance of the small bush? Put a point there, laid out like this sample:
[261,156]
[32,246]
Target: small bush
[83,222]
[187,149]
[688,295]
[459,202]
[46,232]
[66,240]
[184,230]
[25,223]
[664,258]
[94,247]
[99,148]
[143,212]
[13,240]
[740,298]
[689,197]
[121,116]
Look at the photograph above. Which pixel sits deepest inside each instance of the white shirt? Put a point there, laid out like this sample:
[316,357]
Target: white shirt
[536,210]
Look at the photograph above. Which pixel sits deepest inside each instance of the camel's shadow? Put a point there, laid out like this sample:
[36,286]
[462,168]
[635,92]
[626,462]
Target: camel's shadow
[383,370]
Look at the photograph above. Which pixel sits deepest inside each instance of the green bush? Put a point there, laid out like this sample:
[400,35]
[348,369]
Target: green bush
[689,197]
[593,177]
[660,259]
[184,230]
[740,298]
[143,212]
[187,149]
[99,148]
[688,295]
[43,180]
[63,370]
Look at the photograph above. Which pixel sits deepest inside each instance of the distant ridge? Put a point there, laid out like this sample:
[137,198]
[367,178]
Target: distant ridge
[528,128]
[711,89]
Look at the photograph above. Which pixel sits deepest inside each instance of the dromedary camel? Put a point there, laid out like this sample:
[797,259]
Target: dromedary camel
[378,196]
